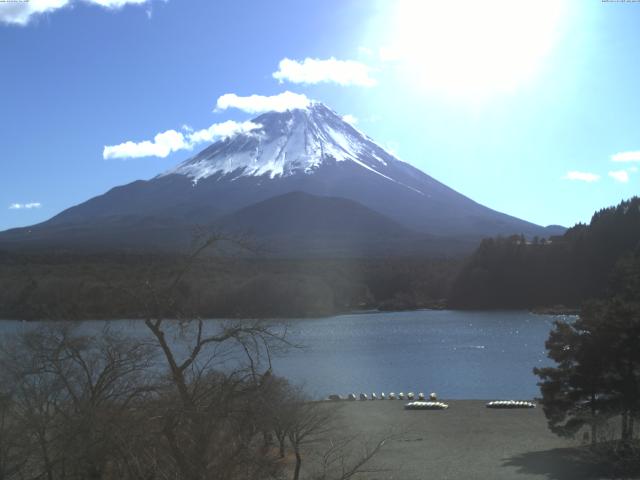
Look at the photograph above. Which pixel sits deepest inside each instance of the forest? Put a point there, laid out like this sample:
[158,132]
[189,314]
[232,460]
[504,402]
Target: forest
[561,272]
[78,286]
[555,274]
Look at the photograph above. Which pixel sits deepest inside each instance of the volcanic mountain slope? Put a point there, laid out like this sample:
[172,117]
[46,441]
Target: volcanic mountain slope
[300,224]
[310,150]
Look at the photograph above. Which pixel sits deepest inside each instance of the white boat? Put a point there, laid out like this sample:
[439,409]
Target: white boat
[511,404]
[426,406]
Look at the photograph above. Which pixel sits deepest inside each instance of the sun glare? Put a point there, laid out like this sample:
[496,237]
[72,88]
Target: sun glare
[471,48]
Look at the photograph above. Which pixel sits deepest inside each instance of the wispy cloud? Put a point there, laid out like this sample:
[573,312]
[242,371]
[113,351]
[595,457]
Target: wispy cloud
[171,141]
[21,13]
[260,103]
[116,3]
[314,70]
[621,176]
[162,145]
[221,130]
[626,156]
[22,206]
[581,176]
[351,119]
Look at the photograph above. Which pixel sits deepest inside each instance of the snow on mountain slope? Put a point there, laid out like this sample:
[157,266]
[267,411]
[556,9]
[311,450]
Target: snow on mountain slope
[288,143]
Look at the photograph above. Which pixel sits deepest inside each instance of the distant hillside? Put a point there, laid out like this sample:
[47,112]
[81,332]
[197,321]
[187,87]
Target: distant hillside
[514,273]
[299,224]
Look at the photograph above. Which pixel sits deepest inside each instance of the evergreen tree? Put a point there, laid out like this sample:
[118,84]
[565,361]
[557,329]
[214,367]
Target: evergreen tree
[597,376]
[574,392]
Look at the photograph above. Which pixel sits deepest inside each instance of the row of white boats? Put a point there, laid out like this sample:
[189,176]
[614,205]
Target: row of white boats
[511,404]
[383,396]
[419,402]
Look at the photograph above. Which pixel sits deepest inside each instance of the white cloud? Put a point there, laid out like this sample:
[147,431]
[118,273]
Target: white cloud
[21,206]
[172,141]
[626,157]
[21,13]
[116,3]
[581,176]
[162,145]
[620,176]
[260,103]
[220,130]
[632,169]
[314,70]
[351,119]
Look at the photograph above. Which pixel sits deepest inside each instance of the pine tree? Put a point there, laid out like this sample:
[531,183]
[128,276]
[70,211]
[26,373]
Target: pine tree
[573,393]
[597,375]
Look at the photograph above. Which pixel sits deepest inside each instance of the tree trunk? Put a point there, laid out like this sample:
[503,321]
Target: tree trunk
[594,427]
[45,456]
[625,426]
[296,473]
[281,443]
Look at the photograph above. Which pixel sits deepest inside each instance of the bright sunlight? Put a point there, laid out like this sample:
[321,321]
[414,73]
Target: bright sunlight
[471,48]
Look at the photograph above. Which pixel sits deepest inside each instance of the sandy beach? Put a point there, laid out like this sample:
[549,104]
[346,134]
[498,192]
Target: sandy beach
[467,441]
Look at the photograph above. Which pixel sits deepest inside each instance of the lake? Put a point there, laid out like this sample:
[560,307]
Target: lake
[458,355]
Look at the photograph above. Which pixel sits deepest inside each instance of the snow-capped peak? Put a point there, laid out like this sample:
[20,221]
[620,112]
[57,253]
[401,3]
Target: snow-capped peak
[287,143]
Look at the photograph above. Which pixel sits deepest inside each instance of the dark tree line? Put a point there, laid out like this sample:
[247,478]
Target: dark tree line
[68,286]
[518,273]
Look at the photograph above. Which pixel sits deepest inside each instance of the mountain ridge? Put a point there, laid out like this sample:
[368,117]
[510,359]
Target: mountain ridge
[311,150]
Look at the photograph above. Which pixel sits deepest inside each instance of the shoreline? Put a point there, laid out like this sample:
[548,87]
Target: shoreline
[551,311]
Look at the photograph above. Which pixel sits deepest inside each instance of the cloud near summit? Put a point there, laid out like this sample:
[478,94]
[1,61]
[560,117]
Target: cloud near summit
[170,141]
[261,103]
[314,70]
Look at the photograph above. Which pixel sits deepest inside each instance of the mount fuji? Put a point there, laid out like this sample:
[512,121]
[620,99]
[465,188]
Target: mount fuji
[303,180]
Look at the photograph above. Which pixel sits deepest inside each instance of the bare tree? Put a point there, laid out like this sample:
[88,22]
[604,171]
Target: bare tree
[193,400]
[313,429]
[13,452]
[72,396]
[308,421]
[210,423]
[340,462]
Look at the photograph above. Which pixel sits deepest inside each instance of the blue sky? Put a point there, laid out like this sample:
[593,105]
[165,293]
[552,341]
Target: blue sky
[524,109]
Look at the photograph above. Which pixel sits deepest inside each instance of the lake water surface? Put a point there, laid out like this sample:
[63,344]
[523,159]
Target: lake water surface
[474,355]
